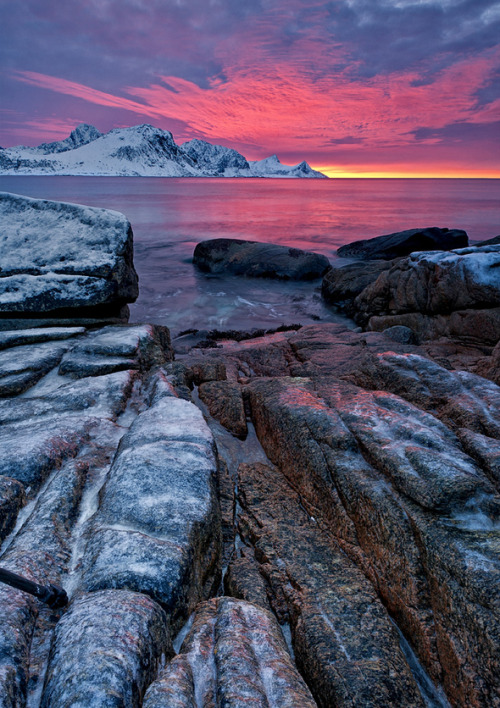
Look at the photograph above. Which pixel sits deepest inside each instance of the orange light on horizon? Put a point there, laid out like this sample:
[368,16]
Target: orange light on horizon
[369,172]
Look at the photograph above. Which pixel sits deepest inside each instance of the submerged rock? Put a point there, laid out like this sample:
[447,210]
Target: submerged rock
[402,243]
[84,268]
[234,655]
[258,260]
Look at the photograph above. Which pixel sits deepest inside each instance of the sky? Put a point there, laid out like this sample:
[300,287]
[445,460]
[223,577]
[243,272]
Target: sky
[354,87]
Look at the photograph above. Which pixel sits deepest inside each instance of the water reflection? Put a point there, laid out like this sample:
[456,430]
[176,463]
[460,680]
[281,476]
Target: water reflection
[170,216]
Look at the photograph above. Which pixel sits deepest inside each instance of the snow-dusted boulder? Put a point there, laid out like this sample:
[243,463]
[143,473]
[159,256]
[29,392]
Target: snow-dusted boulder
[58,258]
[454,293]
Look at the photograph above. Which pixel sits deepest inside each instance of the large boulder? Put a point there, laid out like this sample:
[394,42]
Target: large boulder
[63,260]
[258,260]
[438,293]
[402,243]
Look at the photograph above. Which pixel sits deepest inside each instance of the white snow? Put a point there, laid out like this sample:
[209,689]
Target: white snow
[140,151]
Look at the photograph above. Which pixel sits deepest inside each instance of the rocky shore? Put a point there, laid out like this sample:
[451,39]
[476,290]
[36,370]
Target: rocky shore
[304,518]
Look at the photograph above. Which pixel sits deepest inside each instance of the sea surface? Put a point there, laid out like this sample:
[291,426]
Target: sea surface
[170,216]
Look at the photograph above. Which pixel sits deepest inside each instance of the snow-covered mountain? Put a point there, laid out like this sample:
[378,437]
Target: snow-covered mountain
[142,151]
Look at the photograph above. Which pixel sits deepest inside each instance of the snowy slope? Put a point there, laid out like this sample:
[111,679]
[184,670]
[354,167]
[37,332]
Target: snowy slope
[142,151]
[272,167]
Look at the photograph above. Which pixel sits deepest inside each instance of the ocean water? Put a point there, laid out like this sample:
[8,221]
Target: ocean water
[170,216]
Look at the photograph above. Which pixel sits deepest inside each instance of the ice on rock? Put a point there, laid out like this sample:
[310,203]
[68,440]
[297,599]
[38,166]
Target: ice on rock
[85,263]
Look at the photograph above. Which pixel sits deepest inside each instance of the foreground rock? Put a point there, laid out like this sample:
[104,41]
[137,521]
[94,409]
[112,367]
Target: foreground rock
[258,260]
[454,294]
[234,655]
[94,662]
[63,261]
[343,639]
[157,529]
[396,458]
[402,243]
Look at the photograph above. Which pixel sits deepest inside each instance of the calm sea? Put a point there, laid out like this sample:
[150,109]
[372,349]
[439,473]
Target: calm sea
[170,216]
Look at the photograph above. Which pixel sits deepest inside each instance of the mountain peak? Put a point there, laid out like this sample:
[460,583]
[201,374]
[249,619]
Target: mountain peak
[140,150]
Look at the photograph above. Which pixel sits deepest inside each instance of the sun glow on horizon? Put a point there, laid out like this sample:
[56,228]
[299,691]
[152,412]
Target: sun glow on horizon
[369,172]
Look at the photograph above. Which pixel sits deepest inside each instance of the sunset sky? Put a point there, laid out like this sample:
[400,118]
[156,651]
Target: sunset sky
[355,87]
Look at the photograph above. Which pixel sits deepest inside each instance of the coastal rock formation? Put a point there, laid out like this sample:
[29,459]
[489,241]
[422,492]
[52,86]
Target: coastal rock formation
[113,667]
[234,654]
[258,260]
[393,459]
[60,260]
[344,642]
[105,459]
[341,286]
[402,243]
[452,294]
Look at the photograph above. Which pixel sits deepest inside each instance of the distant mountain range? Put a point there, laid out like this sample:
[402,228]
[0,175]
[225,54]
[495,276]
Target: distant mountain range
[140,151]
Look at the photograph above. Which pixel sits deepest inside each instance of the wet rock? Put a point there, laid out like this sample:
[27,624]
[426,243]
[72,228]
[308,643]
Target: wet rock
[30,451]
[341,286]
[258,260]
[344,642]
[12,499]
[38,433]
[234,654]
[39,552]
[21,367]
[438,294]
[420,456]
[86,262]
[402,243]
[225,403]
[107,649]
[243,579]
[208,369]
[462,562]
[485,450]
[157,529]
[117,349]
[100,396]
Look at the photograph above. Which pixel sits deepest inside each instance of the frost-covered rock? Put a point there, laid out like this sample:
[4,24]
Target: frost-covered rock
[234,655]
[258,260]
[454,293]
[58,259]
[107,649]
[157,529]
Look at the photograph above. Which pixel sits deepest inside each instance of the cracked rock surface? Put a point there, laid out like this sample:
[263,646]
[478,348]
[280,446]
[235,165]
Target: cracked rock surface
[306,518]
